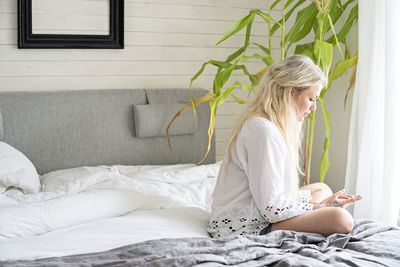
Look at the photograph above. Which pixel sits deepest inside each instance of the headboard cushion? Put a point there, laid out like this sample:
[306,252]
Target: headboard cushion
[151,120]
[1,126]
[64,129]
[171,96]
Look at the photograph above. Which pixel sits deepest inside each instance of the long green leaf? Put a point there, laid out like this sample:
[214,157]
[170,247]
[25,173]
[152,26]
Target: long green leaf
[207,97]
[332,8]
[288,3]
[219,64]
[248,32]
[353,17]
[352,82]
[211,127]
[238,100]
[337,10]
[235,54]
[194,106]
[225,70]
[221,78]
[334,34]
[346,51]
[341,66]
[253,78]
[266,59]
[224,95]
[306,49]
[324,52]
[226,65]
[348,2]
[325,164]
[198,73]
[228,92]
[265,16]
[316,31]
[263,48]
[274,4]
[239,25]
[287,16]
[246,87]
[303,24]
[321,25]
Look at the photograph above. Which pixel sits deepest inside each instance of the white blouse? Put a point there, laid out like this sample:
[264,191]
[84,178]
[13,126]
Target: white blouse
[255,189]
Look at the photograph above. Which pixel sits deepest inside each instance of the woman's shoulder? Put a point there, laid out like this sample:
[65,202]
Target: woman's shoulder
[256,129]
[261,124]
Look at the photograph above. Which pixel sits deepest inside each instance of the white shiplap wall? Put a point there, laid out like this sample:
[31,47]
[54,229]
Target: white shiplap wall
[166,41]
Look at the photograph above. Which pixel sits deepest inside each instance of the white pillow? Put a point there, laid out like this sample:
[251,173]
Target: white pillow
[17,170]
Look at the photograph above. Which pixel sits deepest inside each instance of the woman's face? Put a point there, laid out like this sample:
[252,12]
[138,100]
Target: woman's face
[305,101]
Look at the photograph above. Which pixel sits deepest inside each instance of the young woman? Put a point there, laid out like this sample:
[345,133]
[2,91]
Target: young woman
[258,185]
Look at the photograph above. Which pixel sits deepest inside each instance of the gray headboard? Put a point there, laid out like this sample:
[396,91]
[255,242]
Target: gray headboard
[64,129]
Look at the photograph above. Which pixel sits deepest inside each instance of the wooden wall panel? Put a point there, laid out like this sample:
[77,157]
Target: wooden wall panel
[166,41]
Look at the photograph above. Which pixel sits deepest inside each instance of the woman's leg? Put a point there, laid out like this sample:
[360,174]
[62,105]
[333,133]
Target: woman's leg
[319,191]
[325,221]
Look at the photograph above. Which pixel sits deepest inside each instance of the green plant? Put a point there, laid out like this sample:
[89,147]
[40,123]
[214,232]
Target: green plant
[317,18]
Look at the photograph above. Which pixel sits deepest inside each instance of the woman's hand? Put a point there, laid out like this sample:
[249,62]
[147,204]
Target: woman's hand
[339,199]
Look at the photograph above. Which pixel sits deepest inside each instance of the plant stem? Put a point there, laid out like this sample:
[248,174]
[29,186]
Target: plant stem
[283,31]
[310,134]
[306,178]
[269,29]
[311,145]
[313,113]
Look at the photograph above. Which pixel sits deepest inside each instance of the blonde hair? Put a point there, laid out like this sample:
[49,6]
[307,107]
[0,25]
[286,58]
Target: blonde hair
[273,100]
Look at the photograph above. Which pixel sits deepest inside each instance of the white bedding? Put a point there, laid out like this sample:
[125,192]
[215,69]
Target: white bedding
[93,209]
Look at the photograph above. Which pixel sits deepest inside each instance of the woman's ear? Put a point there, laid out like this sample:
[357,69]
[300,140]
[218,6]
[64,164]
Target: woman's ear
[292,91]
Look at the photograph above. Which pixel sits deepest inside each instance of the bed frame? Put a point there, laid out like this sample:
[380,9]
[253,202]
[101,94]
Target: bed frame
[65,129]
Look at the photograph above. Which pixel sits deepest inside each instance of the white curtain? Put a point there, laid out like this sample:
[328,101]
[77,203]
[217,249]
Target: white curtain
[373,162]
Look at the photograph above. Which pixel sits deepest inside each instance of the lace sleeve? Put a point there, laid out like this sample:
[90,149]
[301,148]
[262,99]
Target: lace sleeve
[304,196]
[283,209]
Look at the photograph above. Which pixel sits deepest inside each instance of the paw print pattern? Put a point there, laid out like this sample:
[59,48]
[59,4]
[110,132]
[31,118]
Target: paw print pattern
[226,221]
[275,210]
[305,207]
[285,210]
[249,220]
[214,224]
[304,196]
[237,222]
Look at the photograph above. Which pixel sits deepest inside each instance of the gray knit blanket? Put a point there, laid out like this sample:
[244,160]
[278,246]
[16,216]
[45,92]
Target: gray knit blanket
[371,243]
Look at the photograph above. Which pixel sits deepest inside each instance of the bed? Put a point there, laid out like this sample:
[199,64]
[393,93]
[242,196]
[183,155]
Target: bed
[87,179]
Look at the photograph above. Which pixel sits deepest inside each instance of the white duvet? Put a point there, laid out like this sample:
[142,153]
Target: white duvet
[92,209]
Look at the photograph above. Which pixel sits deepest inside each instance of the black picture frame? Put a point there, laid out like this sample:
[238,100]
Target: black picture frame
[115,38]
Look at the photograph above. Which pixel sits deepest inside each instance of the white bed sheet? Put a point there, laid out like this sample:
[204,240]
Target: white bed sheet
[106,234]
[92,209]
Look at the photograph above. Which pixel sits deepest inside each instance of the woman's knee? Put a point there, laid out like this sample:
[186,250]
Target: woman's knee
[342,221]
